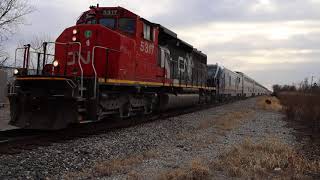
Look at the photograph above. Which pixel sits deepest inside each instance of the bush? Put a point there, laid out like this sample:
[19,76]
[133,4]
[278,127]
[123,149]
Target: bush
[303,107]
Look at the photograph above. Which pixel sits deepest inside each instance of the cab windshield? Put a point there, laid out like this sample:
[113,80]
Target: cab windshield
[108,22]
[126,25]
[91,21]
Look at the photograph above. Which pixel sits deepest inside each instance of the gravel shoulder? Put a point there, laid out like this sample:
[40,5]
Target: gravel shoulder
[149,151]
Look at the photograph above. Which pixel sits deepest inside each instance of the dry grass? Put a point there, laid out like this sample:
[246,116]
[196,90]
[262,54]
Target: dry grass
[133,175]
[227,121]
[184,135]
[232,120]
[205,124]
[78,175]
[121,166]
[302,107]
[115,166]
[204,142]
[261,160]
[195,171]
[269,103]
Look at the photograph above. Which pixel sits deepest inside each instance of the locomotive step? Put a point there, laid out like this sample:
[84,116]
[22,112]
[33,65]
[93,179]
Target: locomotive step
[81,99]
[82,110]
[83,89]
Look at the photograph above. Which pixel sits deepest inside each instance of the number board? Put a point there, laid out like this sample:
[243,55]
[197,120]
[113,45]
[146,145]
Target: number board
[110,12]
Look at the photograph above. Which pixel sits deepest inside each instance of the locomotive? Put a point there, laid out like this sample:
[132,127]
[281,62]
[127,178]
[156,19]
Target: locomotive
[112,63]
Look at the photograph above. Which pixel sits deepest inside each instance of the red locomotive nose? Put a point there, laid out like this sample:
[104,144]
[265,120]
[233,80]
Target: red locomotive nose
[86,49]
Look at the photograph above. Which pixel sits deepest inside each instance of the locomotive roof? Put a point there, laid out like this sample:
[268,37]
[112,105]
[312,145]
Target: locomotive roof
[251,79]
[165,31]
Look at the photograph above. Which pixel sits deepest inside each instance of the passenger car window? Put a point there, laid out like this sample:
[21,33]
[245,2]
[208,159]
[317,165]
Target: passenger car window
[108,22]
[127,25]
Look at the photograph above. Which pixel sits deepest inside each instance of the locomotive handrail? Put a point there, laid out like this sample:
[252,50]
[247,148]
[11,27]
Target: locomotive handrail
[94,68]
[15,56]
[79,61]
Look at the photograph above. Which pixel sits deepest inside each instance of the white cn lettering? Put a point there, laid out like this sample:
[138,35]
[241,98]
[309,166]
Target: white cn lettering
[75,56]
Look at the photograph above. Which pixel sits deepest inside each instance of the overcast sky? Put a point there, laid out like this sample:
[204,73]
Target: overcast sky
[273,41]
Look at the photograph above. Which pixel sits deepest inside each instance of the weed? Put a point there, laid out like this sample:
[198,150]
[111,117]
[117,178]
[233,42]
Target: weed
[270,158]
[115,166]
[120,166]
[195,171]
[302,107]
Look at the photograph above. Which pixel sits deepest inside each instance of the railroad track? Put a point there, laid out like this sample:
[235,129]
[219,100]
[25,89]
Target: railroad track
[18,140]
[16,134]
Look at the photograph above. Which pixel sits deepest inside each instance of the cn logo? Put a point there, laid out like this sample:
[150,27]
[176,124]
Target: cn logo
[75,56]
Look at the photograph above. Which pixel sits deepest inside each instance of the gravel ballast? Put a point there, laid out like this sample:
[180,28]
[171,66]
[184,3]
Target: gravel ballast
[146,150]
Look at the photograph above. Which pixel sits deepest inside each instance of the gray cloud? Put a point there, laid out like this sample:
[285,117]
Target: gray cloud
[191,12]
[288,75]
[310,41]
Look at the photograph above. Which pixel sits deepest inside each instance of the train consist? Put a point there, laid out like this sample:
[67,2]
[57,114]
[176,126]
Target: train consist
[115,63]
[231,84]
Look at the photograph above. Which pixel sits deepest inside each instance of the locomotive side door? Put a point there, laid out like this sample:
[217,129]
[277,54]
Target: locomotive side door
[147,68]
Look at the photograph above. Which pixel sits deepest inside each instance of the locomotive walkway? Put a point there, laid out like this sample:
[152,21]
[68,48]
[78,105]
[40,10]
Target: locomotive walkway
[186,146]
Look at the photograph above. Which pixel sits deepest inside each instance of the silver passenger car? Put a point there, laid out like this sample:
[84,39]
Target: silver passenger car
[230,84]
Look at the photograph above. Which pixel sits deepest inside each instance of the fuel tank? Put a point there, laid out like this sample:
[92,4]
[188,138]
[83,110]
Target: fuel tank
[171,101]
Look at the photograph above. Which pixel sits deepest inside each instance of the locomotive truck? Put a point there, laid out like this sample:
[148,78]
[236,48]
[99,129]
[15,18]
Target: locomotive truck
[112,63]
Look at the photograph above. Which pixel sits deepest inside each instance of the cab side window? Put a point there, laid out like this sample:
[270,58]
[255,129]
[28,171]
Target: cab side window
[147,32]
[127,25]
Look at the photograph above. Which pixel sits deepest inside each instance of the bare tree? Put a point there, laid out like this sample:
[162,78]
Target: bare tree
[4,57]
[36,41]
[12,13]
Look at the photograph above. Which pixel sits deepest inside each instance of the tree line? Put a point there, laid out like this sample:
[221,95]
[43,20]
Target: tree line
[12,15]
[306,85]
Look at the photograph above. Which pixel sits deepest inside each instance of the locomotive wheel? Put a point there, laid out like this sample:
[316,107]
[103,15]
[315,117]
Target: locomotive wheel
[148,109]
[125,110]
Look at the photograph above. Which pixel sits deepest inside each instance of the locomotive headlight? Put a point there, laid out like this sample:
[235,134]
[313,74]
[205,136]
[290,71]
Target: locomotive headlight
[75,31]
[16,72]
[55,63]
[74,38]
